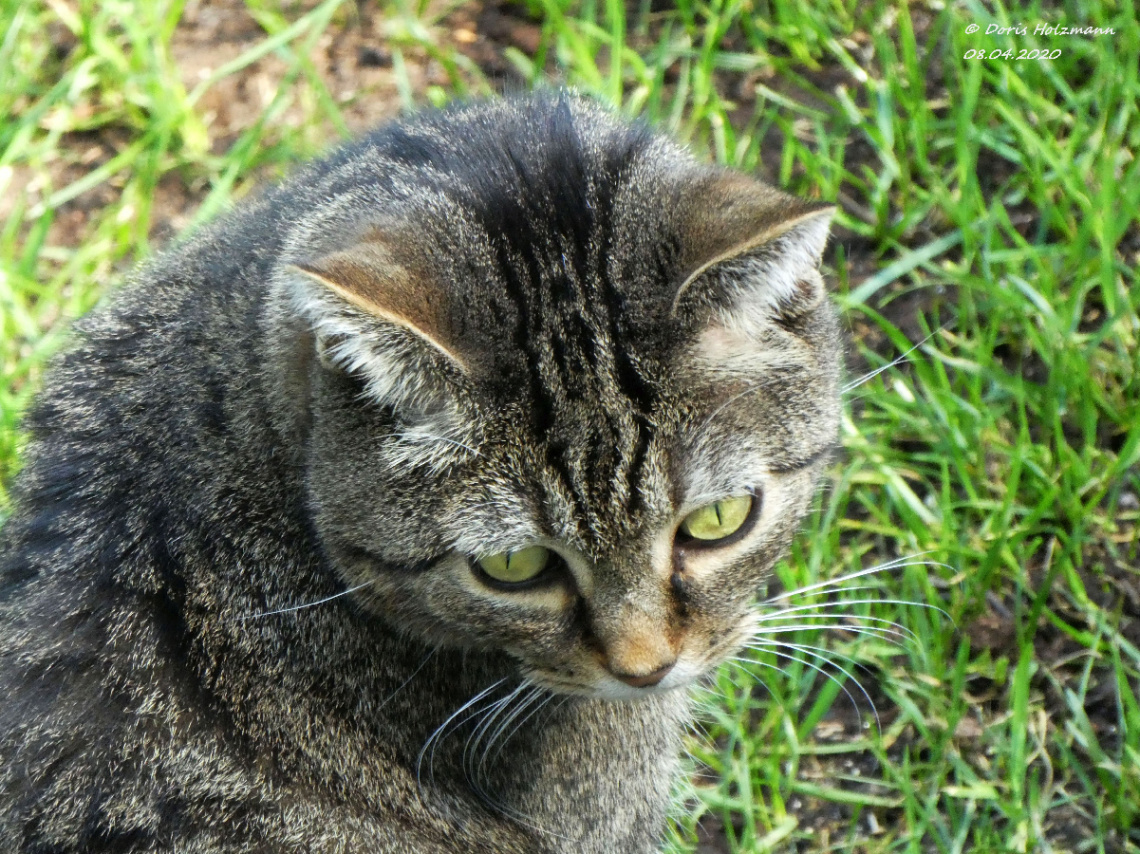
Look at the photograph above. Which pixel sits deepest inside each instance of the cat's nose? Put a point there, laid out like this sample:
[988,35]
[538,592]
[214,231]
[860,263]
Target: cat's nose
[647,679]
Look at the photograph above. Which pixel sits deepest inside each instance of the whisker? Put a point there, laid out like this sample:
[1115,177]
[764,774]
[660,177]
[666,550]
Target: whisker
[850,697]
[702,731]
[404,684]
[750,390]
[491,714]
[838,609]
[309,604]
[854,384]
[898,563]
[816,652]
[870,626]
[437,734]
[821,653]
[538,692]
[739,662]
[840,619]
[885,635]
[844,603]
[476,738]
[437,737]
[535,692]
[853,589]
[423,438]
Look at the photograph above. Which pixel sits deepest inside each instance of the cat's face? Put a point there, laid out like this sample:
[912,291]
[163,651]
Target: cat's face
[573,396]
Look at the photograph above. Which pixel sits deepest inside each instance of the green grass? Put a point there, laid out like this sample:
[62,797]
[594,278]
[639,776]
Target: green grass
[989,211]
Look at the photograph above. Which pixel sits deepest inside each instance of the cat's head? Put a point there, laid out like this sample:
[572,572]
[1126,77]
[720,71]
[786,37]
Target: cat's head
[571,391]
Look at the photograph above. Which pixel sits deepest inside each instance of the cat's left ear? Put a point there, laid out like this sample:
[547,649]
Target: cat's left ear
[377,315]
[750,250]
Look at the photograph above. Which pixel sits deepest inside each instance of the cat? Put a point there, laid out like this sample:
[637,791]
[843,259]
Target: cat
[398,510]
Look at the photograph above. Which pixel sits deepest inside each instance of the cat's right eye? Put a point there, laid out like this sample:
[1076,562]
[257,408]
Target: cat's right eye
[517,568]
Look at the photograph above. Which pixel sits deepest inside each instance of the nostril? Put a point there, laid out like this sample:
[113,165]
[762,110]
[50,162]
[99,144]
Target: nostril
[647,679]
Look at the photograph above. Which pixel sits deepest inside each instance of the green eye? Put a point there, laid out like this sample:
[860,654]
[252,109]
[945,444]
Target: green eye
[719,520]
[516,567]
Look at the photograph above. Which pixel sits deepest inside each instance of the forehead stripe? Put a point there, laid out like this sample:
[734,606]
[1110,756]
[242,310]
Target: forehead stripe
[543,400]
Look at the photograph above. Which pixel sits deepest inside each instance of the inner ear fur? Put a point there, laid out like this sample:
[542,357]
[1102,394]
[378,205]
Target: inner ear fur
[726,216]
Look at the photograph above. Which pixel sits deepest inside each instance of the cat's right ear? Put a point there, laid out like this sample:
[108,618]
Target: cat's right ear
[378,317]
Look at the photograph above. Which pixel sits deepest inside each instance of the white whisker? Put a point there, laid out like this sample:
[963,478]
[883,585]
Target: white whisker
[898,563]
[838,620]
[404,684]
[424,438]
[846,603]
[535,694]
[821,653]
[885,635]
[731,400]
[491,724]
[839,609]
[309,604]
[774,650]
[490,715]
[702,730]
[854,384]
[437,734]
[816,652]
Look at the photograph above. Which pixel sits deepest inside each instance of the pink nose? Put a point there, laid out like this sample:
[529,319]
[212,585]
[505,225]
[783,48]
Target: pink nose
[646,680]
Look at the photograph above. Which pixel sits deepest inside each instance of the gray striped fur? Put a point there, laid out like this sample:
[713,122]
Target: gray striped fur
[237,593]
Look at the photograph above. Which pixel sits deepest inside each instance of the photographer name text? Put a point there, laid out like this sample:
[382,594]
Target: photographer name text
[1042,30]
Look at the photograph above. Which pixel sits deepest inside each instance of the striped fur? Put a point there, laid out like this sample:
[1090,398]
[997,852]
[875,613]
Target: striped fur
[239,606]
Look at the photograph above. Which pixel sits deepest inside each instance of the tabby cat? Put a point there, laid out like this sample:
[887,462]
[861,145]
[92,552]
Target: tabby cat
[396,511]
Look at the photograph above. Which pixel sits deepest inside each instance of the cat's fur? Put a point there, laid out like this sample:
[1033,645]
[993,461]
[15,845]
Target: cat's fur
[510,322]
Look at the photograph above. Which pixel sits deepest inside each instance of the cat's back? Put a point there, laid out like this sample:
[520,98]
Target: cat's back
[137,448]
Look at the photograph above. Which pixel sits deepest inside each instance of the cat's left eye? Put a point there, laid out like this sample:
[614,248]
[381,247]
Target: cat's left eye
[515,568]
[716,522]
